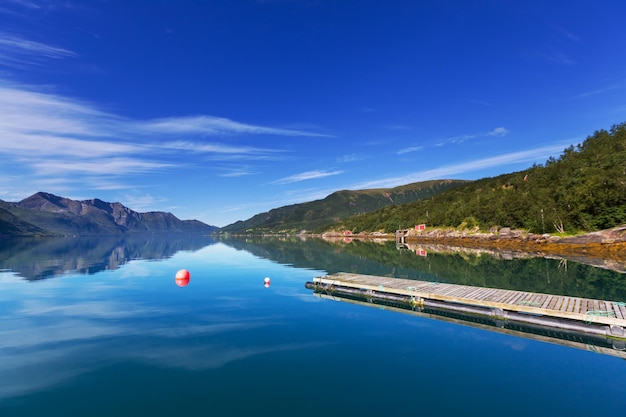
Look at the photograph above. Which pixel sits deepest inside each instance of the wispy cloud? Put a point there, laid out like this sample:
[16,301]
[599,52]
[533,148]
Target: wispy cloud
[599,91]
[235,172]
[117,165]
[498,131]
[480,102]
[56,137]
[410,149]
[17,52]
[142,202]
[350,158]
[531,155]
[304,176]
[14,44]
[566,33]
[212,148]
[398,127]
[25,3]
[558,57]
[216,126]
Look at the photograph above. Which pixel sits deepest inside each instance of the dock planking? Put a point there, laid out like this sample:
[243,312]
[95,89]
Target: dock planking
[612,313]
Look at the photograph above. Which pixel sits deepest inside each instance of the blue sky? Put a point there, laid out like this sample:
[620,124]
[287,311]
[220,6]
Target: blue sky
[221,109]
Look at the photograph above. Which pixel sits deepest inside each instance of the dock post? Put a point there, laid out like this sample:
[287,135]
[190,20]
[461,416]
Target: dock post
[615,330]
[401,236]
[497,313]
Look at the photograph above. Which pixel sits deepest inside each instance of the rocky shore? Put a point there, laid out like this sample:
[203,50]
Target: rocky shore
[607,244]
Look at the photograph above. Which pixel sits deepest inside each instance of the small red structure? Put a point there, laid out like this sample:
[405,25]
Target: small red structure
[420,227]
[347,233]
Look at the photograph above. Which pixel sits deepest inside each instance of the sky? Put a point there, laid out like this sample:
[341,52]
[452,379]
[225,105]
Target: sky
[218,110]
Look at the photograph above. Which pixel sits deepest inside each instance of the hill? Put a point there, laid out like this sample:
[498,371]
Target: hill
[582,190]
[339,205]
[45,214]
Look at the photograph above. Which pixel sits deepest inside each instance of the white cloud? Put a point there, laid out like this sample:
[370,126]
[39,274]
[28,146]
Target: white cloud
[211,125]
[309,175]
[16,44]
[25,54]
[233,172]
[144,202]
[118,166]
[600,91]
[410,149]
[60,138]
[212,148]
[530,155]
[24,3]
[498,131]
[32,145]
[350,158]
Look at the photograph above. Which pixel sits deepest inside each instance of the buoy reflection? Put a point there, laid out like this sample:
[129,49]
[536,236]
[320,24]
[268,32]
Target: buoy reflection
[266,282]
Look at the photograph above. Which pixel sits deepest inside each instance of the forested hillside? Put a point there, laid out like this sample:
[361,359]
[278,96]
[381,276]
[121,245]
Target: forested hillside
[335,207]
[584,189]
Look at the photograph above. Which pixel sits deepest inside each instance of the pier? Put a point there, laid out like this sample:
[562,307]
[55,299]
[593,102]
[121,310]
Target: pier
[401,235]
[570,317]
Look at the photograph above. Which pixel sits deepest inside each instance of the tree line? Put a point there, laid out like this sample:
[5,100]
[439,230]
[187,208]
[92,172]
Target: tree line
[584,189]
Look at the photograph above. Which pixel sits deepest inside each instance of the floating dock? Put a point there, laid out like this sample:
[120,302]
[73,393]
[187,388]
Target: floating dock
[535,312]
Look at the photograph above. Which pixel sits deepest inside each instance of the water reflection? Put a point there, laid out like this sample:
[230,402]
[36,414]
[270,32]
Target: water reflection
[129,342]
[506,270]
[41,258]
[36,259]
[116,334]
[598,343]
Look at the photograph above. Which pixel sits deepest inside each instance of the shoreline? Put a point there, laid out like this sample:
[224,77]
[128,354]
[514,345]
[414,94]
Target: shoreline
[608,244]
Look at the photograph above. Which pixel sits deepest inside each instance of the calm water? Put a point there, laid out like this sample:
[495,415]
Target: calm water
[94,327]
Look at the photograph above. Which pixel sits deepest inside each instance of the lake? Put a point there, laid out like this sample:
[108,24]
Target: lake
[99,327]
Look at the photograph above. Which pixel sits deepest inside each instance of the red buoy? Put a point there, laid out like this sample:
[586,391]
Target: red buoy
[182,278]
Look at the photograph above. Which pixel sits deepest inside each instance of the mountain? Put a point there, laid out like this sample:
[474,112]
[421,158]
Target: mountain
[47,214]
[337,206]
[582,190]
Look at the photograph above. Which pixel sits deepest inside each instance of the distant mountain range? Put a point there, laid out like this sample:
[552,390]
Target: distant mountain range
[44,214]
[336,207]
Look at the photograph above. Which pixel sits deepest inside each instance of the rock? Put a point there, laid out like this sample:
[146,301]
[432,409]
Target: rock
[504,231]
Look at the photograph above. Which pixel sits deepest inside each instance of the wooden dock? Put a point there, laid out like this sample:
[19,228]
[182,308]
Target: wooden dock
[584,315]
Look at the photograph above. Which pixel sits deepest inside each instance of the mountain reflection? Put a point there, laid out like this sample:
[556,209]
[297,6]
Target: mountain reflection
[36,259]
[506,270]
[41,258]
